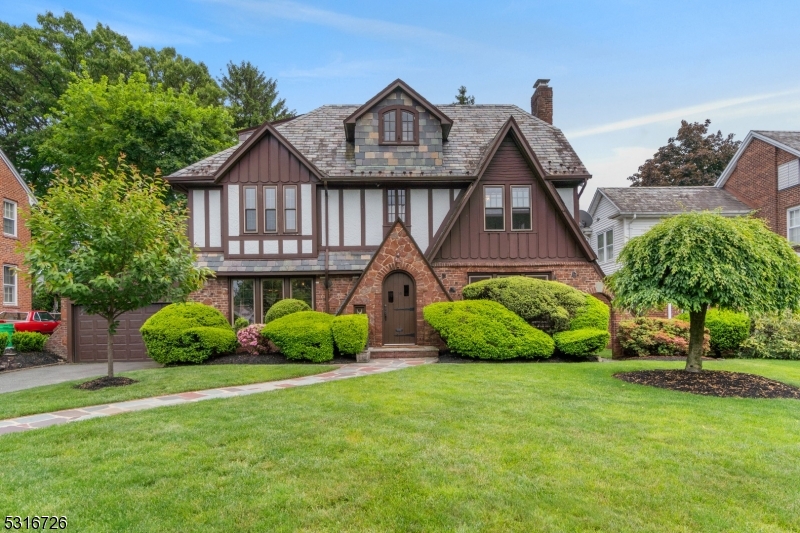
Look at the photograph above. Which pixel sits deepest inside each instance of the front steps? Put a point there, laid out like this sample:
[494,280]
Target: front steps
[402,351]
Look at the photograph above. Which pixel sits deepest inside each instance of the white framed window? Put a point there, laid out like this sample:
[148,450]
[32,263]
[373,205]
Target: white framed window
[395,205]
[789,174]
[9,285]
[270,209]
[10,217]
[493,210]
[250,216]
[290,209]
[793,224]
[605,246]
[520,208]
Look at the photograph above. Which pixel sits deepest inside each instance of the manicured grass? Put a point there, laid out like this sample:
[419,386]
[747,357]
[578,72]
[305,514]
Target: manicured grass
[479,447]
[152,382]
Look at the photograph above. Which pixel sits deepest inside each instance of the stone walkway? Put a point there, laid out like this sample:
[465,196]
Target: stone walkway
[354,370]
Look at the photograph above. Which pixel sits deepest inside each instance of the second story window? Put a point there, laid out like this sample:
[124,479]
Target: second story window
[605,245]
[395,205]
[250,217]
[494,217]
[520,208]
[270,209]
[290,209]
[793,225]
[398,125]
[10,218]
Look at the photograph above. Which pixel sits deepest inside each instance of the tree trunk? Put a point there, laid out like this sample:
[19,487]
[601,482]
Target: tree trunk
[697,327]
[111,331]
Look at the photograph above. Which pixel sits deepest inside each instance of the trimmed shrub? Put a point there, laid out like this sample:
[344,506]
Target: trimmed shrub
[657,336]
[486,330]
[350,333]
[3,342]
[547,302]
[187,333]
[728,330]
[594,314]
[775,336]
[303,335]
[28,341]
[250,339]
[582,342]
[285,307]
[240,323]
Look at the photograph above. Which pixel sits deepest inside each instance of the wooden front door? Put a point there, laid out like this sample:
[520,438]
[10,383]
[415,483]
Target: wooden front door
[399,309]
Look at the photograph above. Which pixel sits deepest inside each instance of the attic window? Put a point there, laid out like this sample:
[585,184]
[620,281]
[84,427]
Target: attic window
[399,125]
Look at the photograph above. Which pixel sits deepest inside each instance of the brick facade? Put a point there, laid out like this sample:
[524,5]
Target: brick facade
[339,287]
[10,253]
[216,292]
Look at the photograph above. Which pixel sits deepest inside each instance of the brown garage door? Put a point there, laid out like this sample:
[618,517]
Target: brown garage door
[90,335]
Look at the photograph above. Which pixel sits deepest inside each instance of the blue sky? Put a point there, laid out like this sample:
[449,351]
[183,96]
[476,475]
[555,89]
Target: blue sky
[624,73]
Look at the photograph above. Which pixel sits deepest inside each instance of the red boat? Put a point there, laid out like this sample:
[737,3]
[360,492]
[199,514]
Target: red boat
[40,321]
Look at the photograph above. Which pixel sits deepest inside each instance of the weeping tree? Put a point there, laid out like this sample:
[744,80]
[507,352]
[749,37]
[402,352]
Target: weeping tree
[110,243]
[701,260]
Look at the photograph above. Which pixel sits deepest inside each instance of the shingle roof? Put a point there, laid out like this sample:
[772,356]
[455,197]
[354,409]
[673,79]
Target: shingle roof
[789,138]
[320,136]
[337,262]
[672,200]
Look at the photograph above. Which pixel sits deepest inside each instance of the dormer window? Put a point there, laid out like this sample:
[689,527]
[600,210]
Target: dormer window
[399,125]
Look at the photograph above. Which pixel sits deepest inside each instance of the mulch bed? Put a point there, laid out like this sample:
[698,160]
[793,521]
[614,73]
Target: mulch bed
[270,359]
[27,359]
[713,383]
[105,381]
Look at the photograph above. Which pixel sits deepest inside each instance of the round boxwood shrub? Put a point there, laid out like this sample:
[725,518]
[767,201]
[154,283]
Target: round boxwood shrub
[535,300]
[594,314]
[28,341]
[486,330]
[187,333]
[285,307]
[240,323]
[582,342]
[728,330]
[304,335]
[350,333]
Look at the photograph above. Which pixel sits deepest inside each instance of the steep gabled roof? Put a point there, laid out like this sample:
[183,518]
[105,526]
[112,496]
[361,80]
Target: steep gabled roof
[788,141]
[15,173]
[511,127]
[669,200]
[350,121]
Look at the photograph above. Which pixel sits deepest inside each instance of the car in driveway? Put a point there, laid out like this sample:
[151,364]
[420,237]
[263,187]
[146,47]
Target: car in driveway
[39,321]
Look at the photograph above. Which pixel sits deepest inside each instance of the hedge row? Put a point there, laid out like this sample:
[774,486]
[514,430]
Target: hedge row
[727,329]
[312,335]
[24,341]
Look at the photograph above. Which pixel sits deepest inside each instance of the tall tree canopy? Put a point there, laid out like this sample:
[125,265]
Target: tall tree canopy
[158,129]
[37,65]
[701,260]
[693,157]
[110,243]
[252,97]
[462,98]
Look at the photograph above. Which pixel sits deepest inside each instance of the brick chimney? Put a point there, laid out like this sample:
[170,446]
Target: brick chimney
[542,101]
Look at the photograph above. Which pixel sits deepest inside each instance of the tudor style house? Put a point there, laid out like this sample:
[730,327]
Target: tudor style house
[17,198]
[386,207]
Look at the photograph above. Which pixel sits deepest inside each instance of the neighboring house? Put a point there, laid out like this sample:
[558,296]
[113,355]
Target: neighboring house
[765,174]
[621,213]
[386,207]
[17,199]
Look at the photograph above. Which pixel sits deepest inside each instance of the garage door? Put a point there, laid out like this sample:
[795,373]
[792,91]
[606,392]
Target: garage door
[90,335]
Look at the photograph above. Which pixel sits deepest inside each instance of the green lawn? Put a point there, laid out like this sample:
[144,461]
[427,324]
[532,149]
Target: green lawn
[480,447]
[152,382]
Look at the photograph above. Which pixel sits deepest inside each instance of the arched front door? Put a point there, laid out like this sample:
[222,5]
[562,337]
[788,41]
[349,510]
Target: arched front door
[399,309]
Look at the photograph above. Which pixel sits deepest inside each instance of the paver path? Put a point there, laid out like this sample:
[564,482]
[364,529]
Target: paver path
[24,423]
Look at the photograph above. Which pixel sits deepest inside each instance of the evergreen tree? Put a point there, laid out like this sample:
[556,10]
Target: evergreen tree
[252,97]
[462,98]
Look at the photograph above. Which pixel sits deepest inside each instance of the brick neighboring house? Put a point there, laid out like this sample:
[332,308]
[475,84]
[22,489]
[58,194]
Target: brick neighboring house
[17,199]
[385,207]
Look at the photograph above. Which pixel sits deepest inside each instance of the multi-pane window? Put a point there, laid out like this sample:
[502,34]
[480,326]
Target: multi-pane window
[520,208]
[793,225]
[289,209]
[395,205]
[493,208]
[250,217]
[390,126]
[252,298]
[398,125]
[302,289]
[9,285]
[270,209]
[605,245]
[271,293]
[10,217]
[244,303]
[408,126]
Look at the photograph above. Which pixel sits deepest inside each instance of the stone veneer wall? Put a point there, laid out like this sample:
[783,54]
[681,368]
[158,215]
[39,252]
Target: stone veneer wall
[393,158]
[216,292]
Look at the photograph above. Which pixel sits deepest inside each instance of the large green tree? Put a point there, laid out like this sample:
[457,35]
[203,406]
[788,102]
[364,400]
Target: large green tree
[252,97]
[692,157]
[462,98]
[701,260]
[109,243]
[156,128]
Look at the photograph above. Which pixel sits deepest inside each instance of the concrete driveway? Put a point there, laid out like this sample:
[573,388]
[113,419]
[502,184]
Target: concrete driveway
[50,375]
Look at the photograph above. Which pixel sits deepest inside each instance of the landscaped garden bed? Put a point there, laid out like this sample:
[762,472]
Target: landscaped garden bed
[713,383]
[28,360]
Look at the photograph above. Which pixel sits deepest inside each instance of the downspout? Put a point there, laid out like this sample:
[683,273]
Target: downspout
[327,243]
